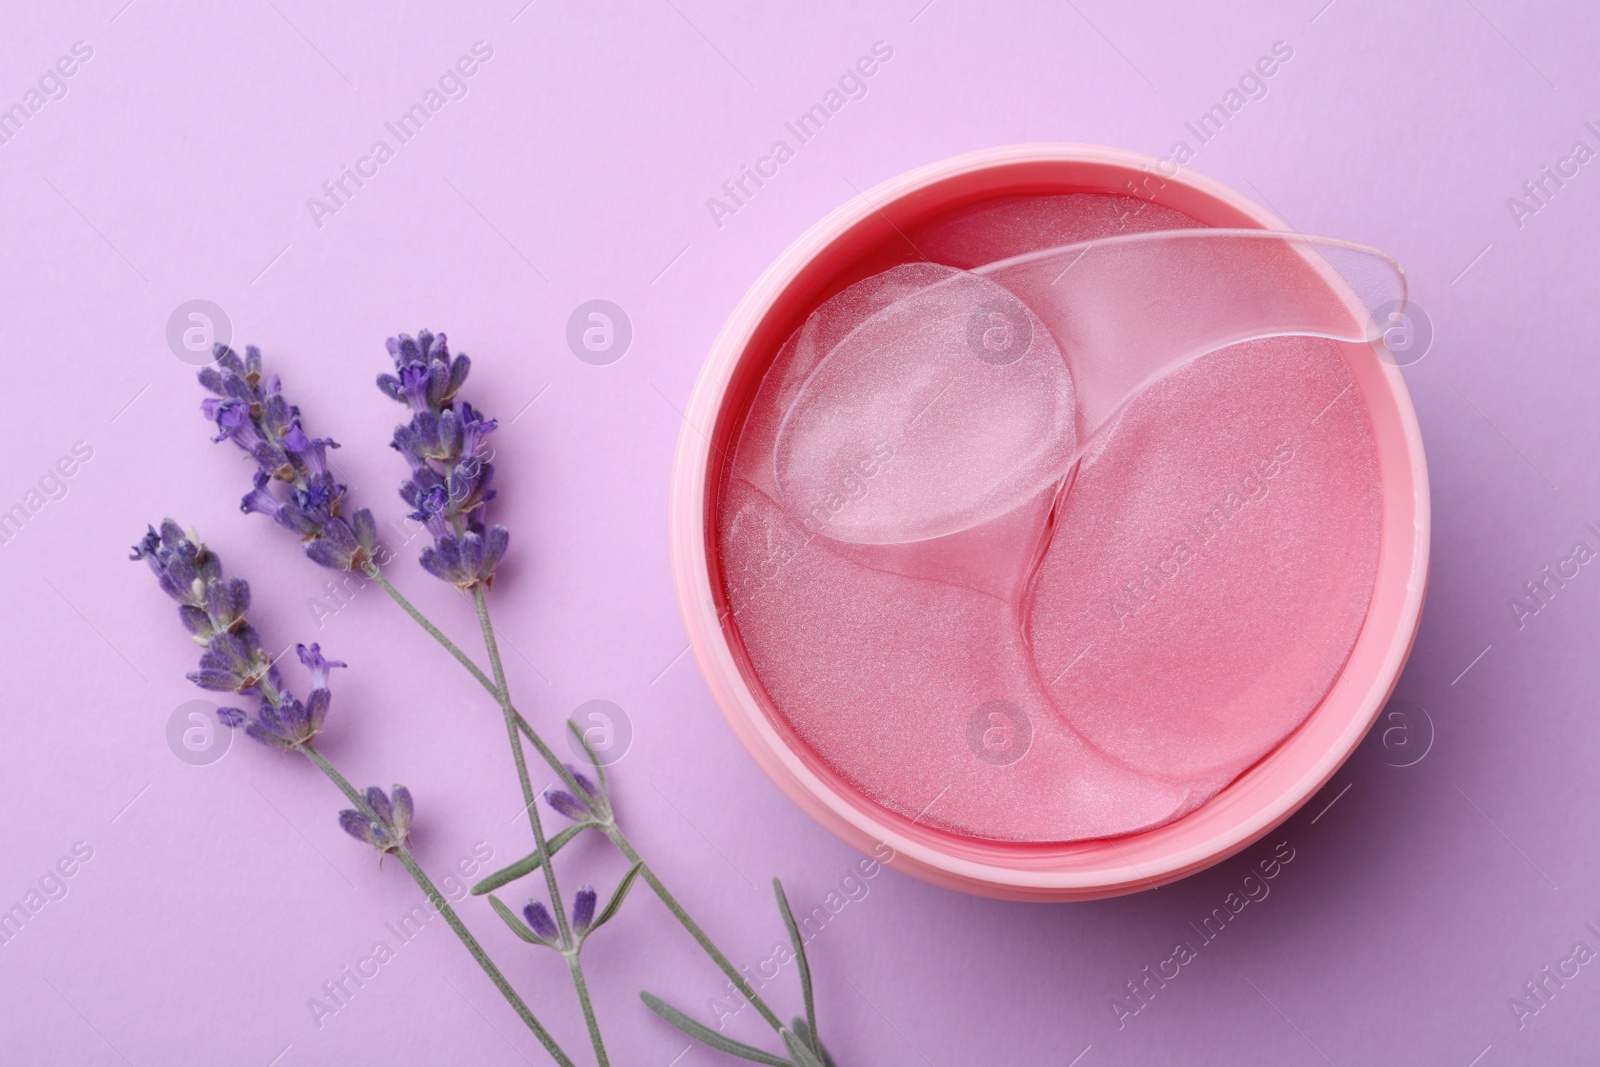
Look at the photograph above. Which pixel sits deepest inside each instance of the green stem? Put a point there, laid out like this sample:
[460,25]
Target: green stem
[626,848]
[588,1009]
[438,635]
[503,694]
[612,830]
[512,718]
[484,680]
[442,905]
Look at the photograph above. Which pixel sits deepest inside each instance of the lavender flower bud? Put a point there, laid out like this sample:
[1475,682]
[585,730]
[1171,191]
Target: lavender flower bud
[449,434]
[438,381]
[472,553]
[366,530]
[584,784]
[358,826]
[389,832]
[378,801]
[214,680]
[227,600]
[583,908]
[458,372]
[317,710]
[540,922]
[567,804]
[443,560]
[495,545]
[403,810]
[389,386]
[197,622]
[266,729]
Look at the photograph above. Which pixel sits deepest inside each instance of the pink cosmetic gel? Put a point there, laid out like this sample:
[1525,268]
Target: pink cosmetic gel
[1058,532]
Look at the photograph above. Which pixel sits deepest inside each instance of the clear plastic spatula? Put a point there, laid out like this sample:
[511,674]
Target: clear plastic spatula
[1130,310]
[973,395]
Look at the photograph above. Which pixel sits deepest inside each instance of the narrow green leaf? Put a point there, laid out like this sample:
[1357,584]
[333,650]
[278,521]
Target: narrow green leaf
[518,927]
[594,760]
[799,1052]
[707,1036]
[800,960]
[529,863]
[799,1026]
[615,902]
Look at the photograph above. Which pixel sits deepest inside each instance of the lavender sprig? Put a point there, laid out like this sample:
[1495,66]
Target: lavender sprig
[538,928]
[450,486]
[446,445]
[294,483]
[212,608]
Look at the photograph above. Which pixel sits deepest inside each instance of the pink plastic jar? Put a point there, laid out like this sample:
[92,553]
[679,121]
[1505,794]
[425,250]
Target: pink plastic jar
[864,237]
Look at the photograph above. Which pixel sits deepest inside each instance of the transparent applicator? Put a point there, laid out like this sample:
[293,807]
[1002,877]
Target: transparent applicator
[933,437]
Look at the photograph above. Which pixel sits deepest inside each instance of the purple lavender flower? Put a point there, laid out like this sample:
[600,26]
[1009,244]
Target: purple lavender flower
[567,804]
[588,804]
[316,664]
[294,483]
[403,809]
[446,445]
[467,560]
[362,828]
[540,922]
[583,908]
[227,600]
[288,723]
[393,827]
[213,609]
[235,662]
[183,567]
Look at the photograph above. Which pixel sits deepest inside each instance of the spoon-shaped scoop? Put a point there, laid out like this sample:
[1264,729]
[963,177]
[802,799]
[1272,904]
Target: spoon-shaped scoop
[969,398]
[1130,310]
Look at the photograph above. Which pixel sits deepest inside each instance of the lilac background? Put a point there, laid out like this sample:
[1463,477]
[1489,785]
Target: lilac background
[220,898]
